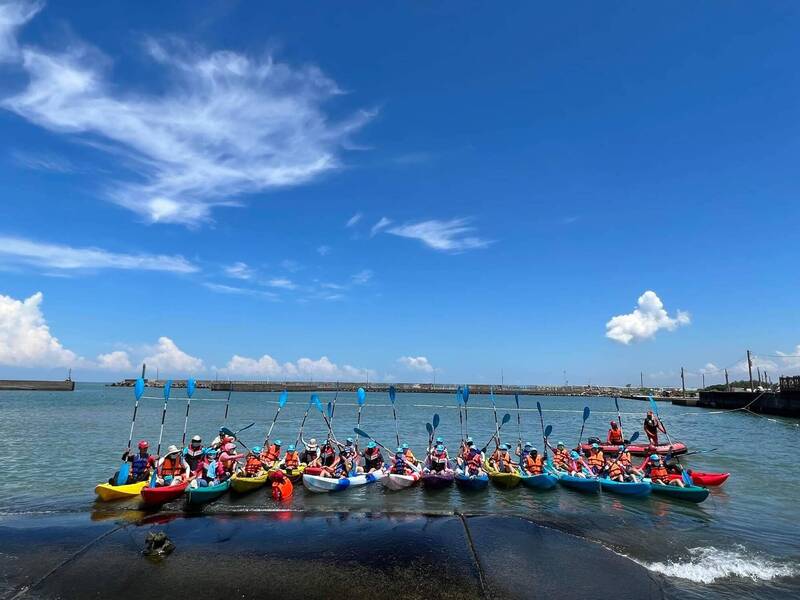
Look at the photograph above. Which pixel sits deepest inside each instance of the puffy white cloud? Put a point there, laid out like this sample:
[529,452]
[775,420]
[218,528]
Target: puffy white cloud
[322,369]
[171,360]
[416,363]
[454,235]
[351,222]
[57,256]
[647,319]
[223,124]
[118,360]
[379,226]
[25,338]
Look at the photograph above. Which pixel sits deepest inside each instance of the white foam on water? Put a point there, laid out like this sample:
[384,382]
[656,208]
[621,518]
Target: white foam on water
[710,564]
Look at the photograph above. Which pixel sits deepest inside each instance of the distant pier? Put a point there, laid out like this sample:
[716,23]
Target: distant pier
[66,385]
[785,402]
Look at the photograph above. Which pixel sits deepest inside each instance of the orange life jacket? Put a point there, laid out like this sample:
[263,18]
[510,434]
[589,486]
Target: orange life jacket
[615,436]
[596,459]
[409,456]
[614,470]
[271,454]
[171,467]
[561,457]
[253,465]
[659,473]
[475,461]
[625,458]
[291,460]
[534,466]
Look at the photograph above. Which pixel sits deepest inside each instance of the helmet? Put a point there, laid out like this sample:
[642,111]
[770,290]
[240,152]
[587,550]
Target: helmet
[312,444]
[621,448]
[613,424]
[349,441]
[211,452]
[222,429]
[595,446]
[405,446]
[560,444]
[654,457]
[277,442]
[290,448]
[440,448]
[574,455]
[505,447]
[532,450]
[469,441]
[143,445]
[528,444]
[172,450]
[440,440]
[399,450]
[229,447]
[256,449]
[197,439]
[371,445]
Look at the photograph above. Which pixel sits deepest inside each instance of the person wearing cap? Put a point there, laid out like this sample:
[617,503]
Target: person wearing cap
[208,474]
[596,460]
[227,463]
[221,440]
[400,465]
[576,465]
[464,451]
[560,456]
[310,454]
[408,454]
[194,455]
[271,454]
[331,462]
[473,461]
[438,461]
[501,459]
[373,459]
[252,463]
[523,451]
[532,462]
[142,463]
[171,469]
[655,468]
[291,460]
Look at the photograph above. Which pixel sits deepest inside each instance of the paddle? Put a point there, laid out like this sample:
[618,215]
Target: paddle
[460,401]
[189,391]
[619,417]
[585,417]
[362,398]
[392,397]
[167,386]
[634,437]
[429,428]
[663,427]
[125,467]
[700,452]
[281,403]
[369,437]
[228,402]
[318,404]
[465,395]
[541,422]
[233,434]
[333,407]
[519,424]
[494,409]
[506,419]
[303,422]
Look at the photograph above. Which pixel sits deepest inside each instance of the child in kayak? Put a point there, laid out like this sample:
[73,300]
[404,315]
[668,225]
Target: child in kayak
[560,456]
[142,464]
[501,460]
[373,459]
[614,434]
[532,463]
[654,467]
[208,474]
[272,454]
[437,459]
[291,460]
[596,460]
[652,425]
[464,450]
[221,440]
[194,455]
[408,454]
[171,469]
[473,462]
[400,465]
[310,454]
[253,467]
[576,465]
[227,462]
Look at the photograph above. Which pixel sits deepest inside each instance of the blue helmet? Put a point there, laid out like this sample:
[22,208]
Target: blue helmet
[405,446]
[371,445]
[621,448]
[256,449]
[399,450]
[290,448]
[349,441]
[440,447]
[654,457]
[574,455]
[595,446]
[469,441]
[277,442]
[528,444]
[440,440]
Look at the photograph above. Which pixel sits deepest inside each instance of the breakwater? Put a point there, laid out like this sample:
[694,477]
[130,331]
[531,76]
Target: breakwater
[66,385]
[781,403]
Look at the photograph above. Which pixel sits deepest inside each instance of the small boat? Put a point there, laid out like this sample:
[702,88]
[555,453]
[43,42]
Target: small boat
[689,493]
[705,479]
[107,492]
[243,485]
[154,496]
[319,484]
[437,480]
[471,482]
[503,480]
[545,481]
[675,449]
[400,482]
[627,488]
[203,495]
[588,485]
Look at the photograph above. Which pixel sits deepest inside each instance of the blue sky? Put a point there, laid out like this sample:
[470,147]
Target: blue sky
[398,190]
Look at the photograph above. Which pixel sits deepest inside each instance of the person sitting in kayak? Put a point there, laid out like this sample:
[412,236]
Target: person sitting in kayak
[652,425]
[310,454]
[400,465]
[501,460]
[576,465]
[523,451]
[194,455]
[253,467]
[272,454]
[208,473]
[560,456]
[373,459]
[291,460]
[473,462]
[654,467]
[624,459]
[533,462]
[327,455]
[142,464]
[596,460]
[408,454]
[281,485]
[171,469]
[438,459]
[221,440]
[227,462]
[464,450]
[614,436]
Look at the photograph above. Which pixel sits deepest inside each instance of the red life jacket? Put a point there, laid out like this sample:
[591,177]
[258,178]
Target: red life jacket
[271,454]
[534,466]
[561,458]
[291,460]
[171,467]
[596,459]
[253,465]
[439,458]
[659,473]
[615,436]
[624,458]
[615,470]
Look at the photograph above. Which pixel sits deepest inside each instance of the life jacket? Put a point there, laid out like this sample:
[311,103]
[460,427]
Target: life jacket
[399,466]
[615,470]
[308,456]
[171,467]
[534,466]
[474,460]
[596,459]
[328,455]
[624,458]
[615,436]
[193,458]
[575,465]
[409,456]
[291,460]
[139,466]
[651,424]
[504,458]
[253,465]
[659,473]
[561,458]
[374,460]
[271,454]
[495,455]
[439,460]
[211,469]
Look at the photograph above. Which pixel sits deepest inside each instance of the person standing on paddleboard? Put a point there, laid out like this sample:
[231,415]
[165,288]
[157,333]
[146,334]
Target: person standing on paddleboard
[652,425]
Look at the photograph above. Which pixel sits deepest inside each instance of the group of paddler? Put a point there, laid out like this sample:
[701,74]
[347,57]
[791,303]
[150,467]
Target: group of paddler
[208,468]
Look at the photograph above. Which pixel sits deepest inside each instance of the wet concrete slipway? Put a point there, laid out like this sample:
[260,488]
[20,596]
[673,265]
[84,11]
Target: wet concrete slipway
[307,555]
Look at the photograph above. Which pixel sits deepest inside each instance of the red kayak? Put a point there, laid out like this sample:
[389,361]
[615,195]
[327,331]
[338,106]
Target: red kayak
[153,496]
[676,448]
[705,479]
[313,470]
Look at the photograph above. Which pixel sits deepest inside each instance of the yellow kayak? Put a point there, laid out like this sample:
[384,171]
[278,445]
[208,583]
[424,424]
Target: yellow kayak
[106,492]
[242,484]
[295,475]
[504,480]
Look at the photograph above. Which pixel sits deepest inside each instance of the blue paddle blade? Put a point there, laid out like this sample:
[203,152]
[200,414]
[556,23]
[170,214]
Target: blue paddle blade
[167,387]
[491,394]
[634,437]
[460,396]
[283,398]
[585,412]
[317,403]
[138,388]
[616,403]
[362,396]
[539,407]
[653,405]
[506,418]
[311,400]
[124,471]
[429,427]
[361,432]
[330,410]
[466,394]
[392,393]
[436,421]
[190,385]
[548,430]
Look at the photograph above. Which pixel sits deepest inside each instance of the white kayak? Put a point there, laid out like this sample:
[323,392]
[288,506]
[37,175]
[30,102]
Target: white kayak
[319,484]
[400,482]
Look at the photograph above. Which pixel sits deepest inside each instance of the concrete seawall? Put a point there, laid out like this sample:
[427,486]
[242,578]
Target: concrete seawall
[785,404]
[46,386]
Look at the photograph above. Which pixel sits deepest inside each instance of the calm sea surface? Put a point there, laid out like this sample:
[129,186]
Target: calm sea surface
[744,541]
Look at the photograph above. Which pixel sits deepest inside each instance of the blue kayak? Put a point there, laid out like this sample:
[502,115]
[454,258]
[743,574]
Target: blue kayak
[545,481]
[581,484]
[476,482]
[628,488]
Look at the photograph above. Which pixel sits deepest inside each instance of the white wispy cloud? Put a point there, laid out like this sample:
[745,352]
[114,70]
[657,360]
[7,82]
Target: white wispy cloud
[455,235]
[239,270]
[322,369]
[647,319]
[323,250]
[379,226]
[354,219]
[223,124]
[16,250]
[416,363]
[221,288]
[117,361]
[282,283]
[43,162]
[362,277]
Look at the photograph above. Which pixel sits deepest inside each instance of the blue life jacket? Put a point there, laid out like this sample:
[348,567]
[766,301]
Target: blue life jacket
[139,465]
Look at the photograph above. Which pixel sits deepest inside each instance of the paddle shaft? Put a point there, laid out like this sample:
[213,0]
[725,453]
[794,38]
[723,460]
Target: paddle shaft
[269,431]
[396,430]
[496,425]
[227,403]
[133,422]
[185,422]
[461,421]
[541,422]
[519,423]
[161,433]
[302,424]
[619,417]
[495,436]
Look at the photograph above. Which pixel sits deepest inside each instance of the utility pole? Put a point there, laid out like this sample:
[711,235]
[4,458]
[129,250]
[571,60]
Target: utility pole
[683,383]
[641,380]
[750,369]
[704,381]
[727,384]
[144,366]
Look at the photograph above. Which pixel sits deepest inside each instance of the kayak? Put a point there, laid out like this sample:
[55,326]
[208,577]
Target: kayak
[243,485]
[581,484]
[106,492]
[437,480]
[503,480]
[690,493]
[625,488]
[472,483]
[312,470]
[153,496]
[282,490]
[545,481]
[676,448]
[319,484]
[201,495]
[294,475]
[705,479]
[399,482]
